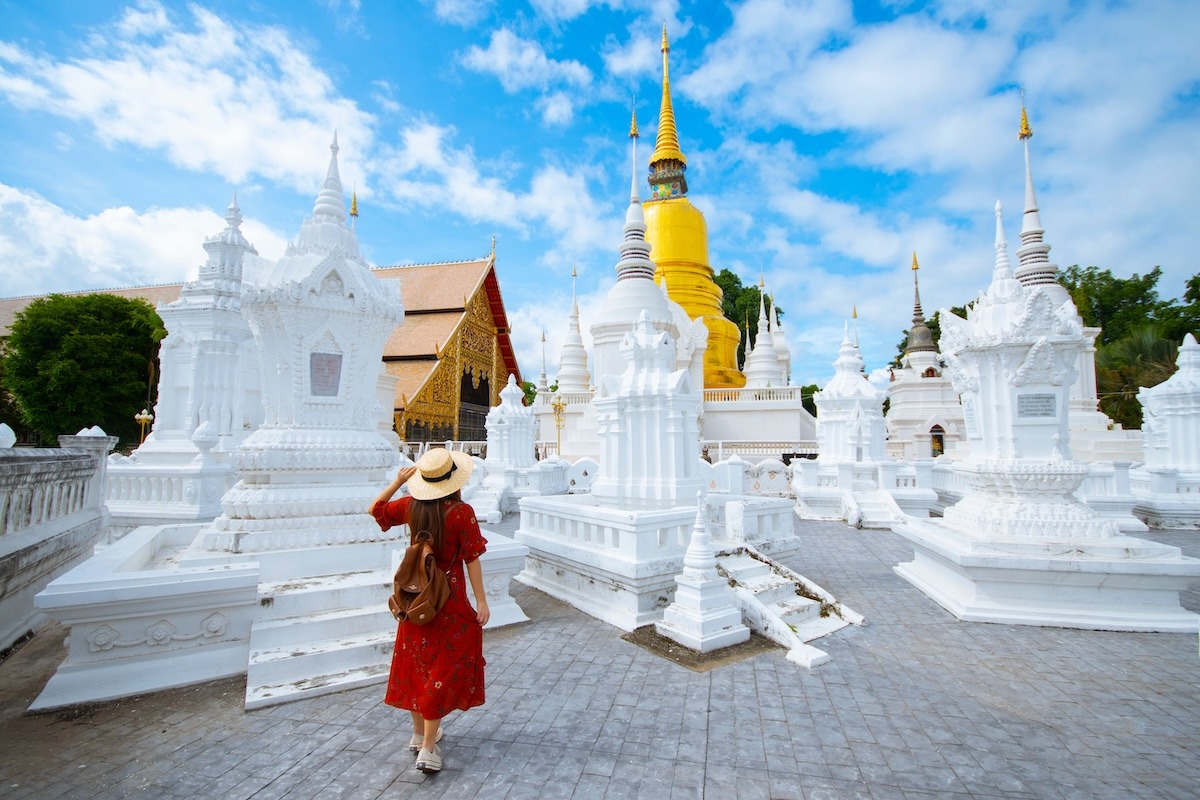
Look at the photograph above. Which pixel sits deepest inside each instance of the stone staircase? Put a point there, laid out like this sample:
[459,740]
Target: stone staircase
[877,510]
[782,605]
[319,635]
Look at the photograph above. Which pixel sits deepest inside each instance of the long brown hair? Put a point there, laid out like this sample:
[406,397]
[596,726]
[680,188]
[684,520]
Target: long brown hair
[430,515]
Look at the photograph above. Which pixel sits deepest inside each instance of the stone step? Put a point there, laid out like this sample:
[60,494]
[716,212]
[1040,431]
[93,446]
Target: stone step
[283,632]
[797,611]
[260,696]
[744,569]
[305,596]
[771,588]
[312,662]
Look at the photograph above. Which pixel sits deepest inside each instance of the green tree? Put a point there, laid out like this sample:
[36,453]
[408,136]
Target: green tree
[739,304]
[806,397]
[1142,358]
[530,390]
[82,360]
[1119,306]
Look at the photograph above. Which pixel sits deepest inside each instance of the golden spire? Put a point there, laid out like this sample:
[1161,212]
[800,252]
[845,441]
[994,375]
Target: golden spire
[354,203]
[633,129]
[915,265]
[1026,131]
[493,253]
[666,143]
[854,314]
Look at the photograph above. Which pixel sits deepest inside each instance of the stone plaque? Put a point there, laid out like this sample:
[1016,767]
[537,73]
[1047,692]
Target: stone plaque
[969,419]
[1037,406]
[324,374]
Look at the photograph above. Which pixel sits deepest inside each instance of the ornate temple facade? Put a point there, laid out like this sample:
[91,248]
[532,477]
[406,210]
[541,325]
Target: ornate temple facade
[453,355]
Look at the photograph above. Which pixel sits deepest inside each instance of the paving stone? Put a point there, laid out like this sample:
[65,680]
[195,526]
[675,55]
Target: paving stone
[913,704]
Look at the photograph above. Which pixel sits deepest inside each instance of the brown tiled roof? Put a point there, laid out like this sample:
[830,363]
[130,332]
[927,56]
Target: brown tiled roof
[421,334]
[162,293]
[437,287]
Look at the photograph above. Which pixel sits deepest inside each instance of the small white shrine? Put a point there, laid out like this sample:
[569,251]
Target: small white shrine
[852,478]
[703,616]
[924,418]
[1167,487]
[209,399]
[1020,548]
[510,471]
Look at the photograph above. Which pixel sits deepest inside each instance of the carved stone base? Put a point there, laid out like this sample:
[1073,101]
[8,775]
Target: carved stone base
[1117,583]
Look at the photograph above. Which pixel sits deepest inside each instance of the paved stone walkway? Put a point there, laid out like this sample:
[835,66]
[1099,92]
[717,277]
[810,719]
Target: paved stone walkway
[913,705]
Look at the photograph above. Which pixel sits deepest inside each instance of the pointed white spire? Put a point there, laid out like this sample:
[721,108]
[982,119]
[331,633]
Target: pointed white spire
[573,375]
[543,384]
[331,202]
[1033,267]
[634,249]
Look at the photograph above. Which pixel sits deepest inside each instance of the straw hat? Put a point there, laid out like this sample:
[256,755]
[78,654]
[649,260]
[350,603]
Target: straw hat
[440,472]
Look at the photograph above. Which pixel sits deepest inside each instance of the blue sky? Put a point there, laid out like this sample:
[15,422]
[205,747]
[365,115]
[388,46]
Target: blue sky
[825,138]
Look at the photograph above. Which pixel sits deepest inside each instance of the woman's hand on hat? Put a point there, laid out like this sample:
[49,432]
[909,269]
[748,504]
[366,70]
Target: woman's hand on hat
[404,474]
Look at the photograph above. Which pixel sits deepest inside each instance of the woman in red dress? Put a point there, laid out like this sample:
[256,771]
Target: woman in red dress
[438,667]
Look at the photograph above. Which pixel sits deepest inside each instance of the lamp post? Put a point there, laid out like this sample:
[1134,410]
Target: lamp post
[144,418]
[559,406]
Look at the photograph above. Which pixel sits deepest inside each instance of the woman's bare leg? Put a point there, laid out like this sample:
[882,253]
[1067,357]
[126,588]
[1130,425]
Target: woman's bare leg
[431,732]
[418,724]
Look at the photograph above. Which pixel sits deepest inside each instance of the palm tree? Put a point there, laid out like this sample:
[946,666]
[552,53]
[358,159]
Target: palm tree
[1141,359]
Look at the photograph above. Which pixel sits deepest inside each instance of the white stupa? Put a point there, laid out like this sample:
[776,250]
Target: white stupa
[1020,547]
[924,414]
[208,397]
[1168,486]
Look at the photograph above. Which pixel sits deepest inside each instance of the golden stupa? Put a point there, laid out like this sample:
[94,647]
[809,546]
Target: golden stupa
[678,240]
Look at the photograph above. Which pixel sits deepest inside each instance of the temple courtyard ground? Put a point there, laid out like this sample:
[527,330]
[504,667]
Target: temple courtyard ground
[912,705]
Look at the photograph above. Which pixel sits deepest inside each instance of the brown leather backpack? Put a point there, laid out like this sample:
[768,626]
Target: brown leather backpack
[419,588]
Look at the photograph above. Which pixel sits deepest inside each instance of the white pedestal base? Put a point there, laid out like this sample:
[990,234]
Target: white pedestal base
[1114,583]
[703,617]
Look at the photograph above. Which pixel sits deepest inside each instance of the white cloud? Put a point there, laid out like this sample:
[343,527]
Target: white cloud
[234,101]
[640,56]
[521,64]
[463,13]
[426,171]
[116,247]
[557,109]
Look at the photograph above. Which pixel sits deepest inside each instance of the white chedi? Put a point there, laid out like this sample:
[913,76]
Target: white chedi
[703,616]
[1001,553]
[850,425]
[650,445]
[314,464]
[1171,411]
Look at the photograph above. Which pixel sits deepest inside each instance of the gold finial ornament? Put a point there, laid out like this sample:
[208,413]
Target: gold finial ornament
[666,142]
[1026,131]
[854,313]
[354,204]
[633,128]
[915,265]
[493,253]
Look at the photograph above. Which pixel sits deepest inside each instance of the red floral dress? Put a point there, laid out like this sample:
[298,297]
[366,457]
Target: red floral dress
[438,667]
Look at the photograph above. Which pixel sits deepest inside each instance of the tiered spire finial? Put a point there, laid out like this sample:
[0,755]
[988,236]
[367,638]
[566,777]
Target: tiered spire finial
[667,162]
[634,249]
[331,202]
[920,338]
[1033,260]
